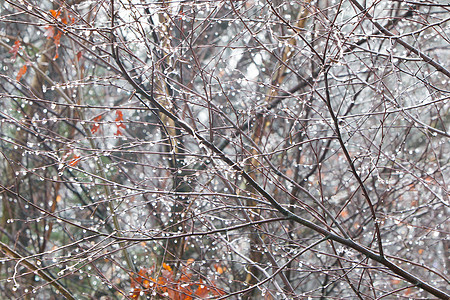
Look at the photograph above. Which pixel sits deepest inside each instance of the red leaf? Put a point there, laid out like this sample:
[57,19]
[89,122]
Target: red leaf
[79,54]
[119,124]
[15,48]
[96,126]
[22,72]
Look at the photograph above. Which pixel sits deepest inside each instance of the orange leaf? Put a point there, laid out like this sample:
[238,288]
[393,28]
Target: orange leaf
[185,277]
[215,291]
[202,291]
[15,48]
[395,281]
[142,271]
[169,287]
[219,269]
[55,13]
[344,213]
[49,31]
[173,294]
[185,297]
[119,115]
[74,161]
[79,54]
[135,294]
[146,283]
[22,72]
[167,267]
[57,41]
